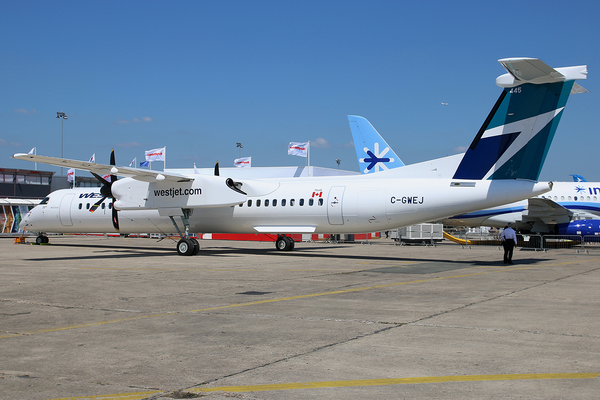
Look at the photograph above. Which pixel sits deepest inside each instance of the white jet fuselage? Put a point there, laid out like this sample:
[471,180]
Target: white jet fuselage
[294,205]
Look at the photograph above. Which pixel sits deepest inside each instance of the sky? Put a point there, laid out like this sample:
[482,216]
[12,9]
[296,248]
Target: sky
[200,76]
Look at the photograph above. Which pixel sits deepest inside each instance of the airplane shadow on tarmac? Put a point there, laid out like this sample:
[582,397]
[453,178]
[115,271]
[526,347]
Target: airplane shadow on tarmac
[419,265]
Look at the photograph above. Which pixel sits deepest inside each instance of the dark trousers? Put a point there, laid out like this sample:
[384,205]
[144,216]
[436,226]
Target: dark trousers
[508,245]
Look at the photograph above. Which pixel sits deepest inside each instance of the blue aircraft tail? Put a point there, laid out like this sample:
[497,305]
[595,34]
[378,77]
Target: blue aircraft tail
[373,153]
[514,139]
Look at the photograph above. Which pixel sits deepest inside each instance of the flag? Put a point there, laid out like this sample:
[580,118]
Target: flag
[32,151]
[156,154]
[145,164]
[298,149]
[71,175]
[132,163]
[93,158]
[243,162]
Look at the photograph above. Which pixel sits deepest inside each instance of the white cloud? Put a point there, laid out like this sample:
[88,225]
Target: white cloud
[24,111]
[125,121]
[460,149]
[13,144]
[320,142]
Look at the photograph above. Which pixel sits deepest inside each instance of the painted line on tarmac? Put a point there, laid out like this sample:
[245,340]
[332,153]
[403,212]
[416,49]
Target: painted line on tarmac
[346,383]
[393,381]
[275,300]
[119,396]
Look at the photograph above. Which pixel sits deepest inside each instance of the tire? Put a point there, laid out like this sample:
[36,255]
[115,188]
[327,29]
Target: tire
[196,246]
[185,247]
[282,244]
[291,242]
[39,240]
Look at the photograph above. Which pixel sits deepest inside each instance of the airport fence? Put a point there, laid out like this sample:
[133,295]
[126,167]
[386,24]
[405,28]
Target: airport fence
[536,242]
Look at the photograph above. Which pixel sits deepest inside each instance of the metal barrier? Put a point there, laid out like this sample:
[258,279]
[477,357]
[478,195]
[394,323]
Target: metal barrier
[591,242]
[533,241]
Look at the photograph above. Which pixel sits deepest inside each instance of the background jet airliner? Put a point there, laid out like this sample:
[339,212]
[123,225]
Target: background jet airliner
[491,173]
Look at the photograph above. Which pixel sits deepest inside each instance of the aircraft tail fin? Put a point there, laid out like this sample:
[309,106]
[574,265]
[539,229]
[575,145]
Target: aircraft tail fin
[515,137]
[372,151]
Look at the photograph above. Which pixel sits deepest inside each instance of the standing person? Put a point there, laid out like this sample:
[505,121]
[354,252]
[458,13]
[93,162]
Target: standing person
[509,240]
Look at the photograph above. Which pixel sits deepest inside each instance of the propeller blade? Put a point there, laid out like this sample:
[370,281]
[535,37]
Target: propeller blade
[100,179]
[97,204]
[217,169]
[115,217]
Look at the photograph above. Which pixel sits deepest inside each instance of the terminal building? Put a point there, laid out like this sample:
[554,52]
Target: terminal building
[23,189]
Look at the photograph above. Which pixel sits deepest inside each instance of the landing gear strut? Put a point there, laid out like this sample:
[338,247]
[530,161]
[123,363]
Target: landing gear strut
[187,246]
[284,243]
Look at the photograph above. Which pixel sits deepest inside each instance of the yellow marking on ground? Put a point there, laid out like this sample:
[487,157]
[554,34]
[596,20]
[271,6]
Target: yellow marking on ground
[138,269]
[347,383]
[393,381]
[298,297]
[119,396]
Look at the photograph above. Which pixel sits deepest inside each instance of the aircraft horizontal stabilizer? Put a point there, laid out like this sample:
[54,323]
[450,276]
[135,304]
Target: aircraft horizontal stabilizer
[532,70]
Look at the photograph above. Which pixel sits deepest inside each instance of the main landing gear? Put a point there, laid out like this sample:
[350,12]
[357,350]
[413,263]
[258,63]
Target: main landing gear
[187,246]
[41,239]
[284,243]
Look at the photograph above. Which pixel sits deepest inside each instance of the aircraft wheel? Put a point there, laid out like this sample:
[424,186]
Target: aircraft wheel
[196,246]
[41,239]
[291,242]
[185,247]
[282,243]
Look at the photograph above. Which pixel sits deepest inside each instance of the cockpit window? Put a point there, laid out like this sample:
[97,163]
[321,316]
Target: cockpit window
[45,201]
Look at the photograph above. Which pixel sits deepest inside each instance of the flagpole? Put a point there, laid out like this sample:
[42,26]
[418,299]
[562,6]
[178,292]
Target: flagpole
[35,153]
[308,158]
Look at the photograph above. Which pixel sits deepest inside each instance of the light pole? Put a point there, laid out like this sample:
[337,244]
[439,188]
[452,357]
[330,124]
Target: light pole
[238,144]
[62,116]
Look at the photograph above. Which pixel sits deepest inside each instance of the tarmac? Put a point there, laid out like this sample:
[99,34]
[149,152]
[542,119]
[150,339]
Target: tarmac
[124,318]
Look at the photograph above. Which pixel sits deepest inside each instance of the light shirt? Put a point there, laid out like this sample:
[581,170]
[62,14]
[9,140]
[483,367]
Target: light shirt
[509,233]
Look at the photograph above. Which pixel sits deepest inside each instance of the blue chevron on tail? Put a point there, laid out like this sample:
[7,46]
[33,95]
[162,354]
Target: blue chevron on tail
[373,153]
[514,139]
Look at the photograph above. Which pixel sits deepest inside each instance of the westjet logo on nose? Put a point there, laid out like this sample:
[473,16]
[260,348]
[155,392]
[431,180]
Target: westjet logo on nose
[90,196]
[376,159]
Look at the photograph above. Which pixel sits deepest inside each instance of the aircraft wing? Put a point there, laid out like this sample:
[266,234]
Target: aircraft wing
[139,174]
[546,210]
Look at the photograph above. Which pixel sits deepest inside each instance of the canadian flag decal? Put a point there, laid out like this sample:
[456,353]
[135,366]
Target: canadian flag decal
[317,193]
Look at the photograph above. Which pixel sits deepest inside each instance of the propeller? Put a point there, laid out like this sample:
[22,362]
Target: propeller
[217,169]
[106,192]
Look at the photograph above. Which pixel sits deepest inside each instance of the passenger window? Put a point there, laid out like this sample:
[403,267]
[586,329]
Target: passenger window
[103,206]
[241,204]
[80,206]
[274,202]
[249,203]
[266,202]
[320,202]
[109,206]
[301,202]
[311,202]
[282,202]
[292,201]
[87,206]
[258,203]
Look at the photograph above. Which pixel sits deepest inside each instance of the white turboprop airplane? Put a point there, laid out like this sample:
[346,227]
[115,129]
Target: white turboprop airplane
[493,172]
[570,208]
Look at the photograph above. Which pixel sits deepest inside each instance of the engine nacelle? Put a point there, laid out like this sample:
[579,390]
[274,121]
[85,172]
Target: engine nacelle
[582,227]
